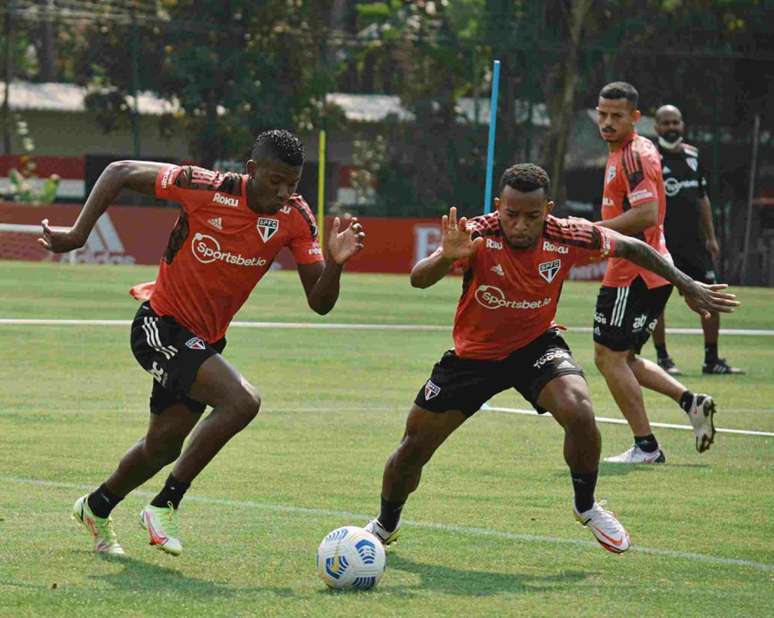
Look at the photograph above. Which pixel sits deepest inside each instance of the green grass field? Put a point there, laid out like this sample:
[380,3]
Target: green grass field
[490,531]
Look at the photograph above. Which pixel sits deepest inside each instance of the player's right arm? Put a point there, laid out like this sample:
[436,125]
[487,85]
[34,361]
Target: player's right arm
[138,176]
[456,244]
[702,298]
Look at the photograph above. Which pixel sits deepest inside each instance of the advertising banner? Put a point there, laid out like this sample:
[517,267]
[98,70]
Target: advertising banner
[138,235]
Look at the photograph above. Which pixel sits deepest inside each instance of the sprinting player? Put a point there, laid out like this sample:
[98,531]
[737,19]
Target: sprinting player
[689,232]
[515,261]
[229,231]
[631,297]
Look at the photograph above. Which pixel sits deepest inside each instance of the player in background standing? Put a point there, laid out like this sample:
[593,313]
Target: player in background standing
[230,229]
[632,298]
[515,261]
[689,232]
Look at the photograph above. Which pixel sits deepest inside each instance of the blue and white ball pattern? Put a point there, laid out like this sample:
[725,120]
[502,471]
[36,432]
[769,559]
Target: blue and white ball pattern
[350,558]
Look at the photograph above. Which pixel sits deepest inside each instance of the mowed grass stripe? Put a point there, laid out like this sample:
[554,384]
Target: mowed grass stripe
[351,326]
[511,536]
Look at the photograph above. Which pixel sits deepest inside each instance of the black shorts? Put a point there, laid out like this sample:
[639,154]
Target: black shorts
[697,265]
[172,354]
[625,317]
[466,384]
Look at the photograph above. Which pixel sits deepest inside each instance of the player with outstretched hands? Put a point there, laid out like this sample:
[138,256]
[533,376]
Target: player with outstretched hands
[514,263]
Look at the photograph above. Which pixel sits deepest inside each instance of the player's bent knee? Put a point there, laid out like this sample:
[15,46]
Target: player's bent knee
[246,404]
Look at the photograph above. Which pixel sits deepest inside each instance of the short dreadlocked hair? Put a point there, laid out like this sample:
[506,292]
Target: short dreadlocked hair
[278,144]
[525,177]
[621,90]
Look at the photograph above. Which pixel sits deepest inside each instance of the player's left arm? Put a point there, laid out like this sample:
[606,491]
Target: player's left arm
[635,220]
[702,298]
[642,175]
[321,280]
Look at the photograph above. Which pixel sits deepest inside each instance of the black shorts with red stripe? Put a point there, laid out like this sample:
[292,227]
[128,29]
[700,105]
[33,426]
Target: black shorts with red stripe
[172,354]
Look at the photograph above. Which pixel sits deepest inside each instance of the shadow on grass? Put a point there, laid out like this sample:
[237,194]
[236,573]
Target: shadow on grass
[613,469]
[442,578]
[152,578]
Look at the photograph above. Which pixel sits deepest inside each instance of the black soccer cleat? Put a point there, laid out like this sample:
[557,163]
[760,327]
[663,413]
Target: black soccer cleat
[720,367]
[668,365]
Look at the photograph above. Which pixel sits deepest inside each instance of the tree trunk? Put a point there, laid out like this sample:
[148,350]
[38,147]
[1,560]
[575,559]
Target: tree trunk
[561,104]
[48,71]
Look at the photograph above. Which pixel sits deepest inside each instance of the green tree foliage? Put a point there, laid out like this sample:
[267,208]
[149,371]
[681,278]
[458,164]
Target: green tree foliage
[239,66]
[235,67]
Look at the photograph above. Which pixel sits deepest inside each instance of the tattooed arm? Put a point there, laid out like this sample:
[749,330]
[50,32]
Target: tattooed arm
[703,299]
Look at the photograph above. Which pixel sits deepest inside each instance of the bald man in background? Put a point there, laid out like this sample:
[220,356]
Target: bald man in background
[690,234]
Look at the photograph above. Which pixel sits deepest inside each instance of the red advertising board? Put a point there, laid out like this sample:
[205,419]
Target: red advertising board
[136,235]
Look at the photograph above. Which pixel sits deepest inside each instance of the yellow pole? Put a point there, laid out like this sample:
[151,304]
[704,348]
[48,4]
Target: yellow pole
[321,188]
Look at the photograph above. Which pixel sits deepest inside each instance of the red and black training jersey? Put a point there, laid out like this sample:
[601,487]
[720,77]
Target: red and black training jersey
[509,296]
[633,178]
[220,249]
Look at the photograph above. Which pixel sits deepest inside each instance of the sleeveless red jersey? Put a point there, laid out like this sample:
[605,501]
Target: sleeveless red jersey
[632,178]
[509,296]
[219,249]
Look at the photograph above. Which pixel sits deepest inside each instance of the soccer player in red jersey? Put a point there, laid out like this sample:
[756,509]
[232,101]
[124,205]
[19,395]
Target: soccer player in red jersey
[515,261]
[230,229]
[632,298]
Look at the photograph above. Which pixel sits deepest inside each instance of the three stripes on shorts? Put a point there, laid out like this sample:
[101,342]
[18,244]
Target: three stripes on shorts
[619,308]
[151,329]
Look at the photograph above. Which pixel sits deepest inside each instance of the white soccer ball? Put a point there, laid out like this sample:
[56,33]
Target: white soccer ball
[350,558]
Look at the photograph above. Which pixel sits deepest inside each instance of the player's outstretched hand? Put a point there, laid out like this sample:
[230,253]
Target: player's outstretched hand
[705,299]
[342,245]
[59,239]
[456,242]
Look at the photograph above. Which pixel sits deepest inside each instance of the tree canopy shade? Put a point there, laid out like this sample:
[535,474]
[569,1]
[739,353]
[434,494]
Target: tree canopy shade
[240,66]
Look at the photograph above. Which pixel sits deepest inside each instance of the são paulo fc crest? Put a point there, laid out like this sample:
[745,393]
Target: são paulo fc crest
[549,270]
[610,174]
[431,390]
[693,163]
[195,343]
[267,228]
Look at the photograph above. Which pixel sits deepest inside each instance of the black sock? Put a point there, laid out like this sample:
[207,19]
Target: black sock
[686,399]
[661,351]
[101,501]
[710,352]
[173,492]
[584,485]
[390,514]
[648,443]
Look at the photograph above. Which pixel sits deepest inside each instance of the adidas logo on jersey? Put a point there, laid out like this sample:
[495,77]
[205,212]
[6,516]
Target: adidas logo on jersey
[498,269]
[216,222]
[224,200]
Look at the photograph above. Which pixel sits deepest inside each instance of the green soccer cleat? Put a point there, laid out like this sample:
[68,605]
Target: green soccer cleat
[101,528]
[161,524]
